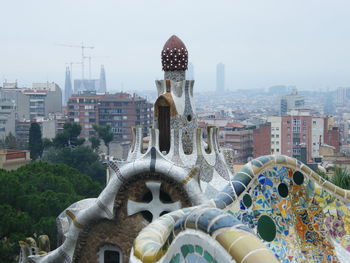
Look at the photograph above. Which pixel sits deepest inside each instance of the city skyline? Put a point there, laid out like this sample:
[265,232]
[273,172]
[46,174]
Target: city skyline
[261,44]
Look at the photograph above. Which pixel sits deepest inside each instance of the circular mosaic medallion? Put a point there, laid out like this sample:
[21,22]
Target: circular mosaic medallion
[266,228]
[247,200]
[283,190]
[298,178]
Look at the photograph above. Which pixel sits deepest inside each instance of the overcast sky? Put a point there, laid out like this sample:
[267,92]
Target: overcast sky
[262,42]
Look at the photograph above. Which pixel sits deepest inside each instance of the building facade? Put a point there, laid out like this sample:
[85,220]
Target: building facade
[276,134]
[121,111]
[262,140]
[296,134]
[83,109]
[292,101]
[300,130]
[39,101]
[7,118]
[239,138]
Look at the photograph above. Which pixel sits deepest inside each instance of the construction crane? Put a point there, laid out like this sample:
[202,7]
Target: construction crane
[89,58]
[83,47]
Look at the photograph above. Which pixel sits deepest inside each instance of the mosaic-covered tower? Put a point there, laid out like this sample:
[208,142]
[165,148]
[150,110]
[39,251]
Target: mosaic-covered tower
[174,108]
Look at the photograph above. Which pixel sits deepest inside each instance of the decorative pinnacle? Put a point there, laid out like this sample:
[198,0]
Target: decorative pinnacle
[174,55]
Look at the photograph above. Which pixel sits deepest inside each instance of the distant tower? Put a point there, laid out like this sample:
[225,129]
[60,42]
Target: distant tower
[328,107]
[293,101]
[68,91]
[102,88]
[220,77]
[190,71]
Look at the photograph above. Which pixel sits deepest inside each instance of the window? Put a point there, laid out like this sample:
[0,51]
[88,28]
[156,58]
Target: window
[304,122]
[296,122]
[296,151]
[109,254]
[89,107]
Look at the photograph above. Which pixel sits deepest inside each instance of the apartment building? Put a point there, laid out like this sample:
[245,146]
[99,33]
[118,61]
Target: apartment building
[276,134]
[39,101]
[262,140]
[7,118]
[121,111]
[300,130]
[83,108]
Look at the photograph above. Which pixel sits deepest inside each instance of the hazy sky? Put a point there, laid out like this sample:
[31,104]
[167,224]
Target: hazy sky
[262,42]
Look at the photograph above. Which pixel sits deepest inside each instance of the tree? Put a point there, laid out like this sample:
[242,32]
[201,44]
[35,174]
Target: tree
[69,136]
[95,143]
[11,142]
[79,157]
[105,133]
[35,141]
[32,197]
[47,143]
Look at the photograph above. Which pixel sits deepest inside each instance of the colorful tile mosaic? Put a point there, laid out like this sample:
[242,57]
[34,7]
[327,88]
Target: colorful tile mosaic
[306,218]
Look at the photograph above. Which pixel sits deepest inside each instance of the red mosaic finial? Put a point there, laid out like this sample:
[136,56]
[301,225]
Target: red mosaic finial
[174,55]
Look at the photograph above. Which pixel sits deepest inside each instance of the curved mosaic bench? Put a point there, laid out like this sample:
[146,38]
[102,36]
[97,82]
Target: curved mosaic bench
[237,239]
[302,180]
[249,172]
[309,216]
